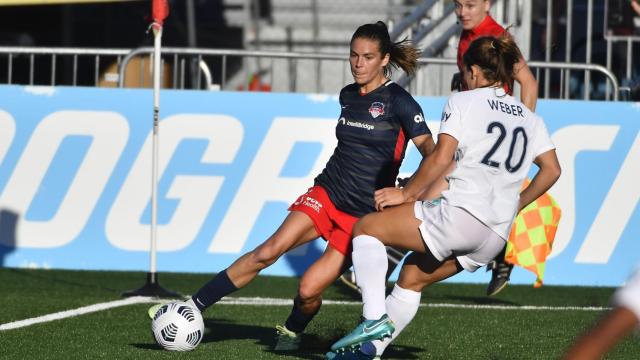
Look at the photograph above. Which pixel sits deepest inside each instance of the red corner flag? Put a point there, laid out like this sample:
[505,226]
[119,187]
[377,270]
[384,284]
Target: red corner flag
[159,11]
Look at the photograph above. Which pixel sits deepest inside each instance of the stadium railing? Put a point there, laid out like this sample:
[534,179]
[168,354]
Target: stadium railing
[188,68]
[630,42]
[40,65]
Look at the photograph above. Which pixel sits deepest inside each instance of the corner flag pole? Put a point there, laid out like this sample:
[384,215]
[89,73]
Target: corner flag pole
[160,10]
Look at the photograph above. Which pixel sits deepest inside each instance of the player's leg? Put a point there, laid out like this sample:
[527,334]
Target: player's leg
[451,231]
[500,273]
[296,230]
[394,257]
[444,230]
[396,227]
[418,271]
[319,276]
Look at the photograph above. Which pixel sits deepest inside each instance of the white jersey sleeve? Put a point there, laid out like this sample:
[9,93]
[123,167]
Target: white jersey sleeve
[451,120]
[542,143]
[628,296]
[498,139]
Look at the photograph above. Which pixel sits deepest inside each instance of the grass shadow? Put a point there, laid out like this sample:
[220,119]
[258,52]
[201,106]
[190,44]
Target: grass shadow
[312,347]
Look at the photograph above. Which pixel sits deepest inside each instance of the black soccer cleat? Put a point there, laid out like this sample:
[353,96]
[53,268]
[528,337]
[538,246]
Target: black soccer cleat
[501,271]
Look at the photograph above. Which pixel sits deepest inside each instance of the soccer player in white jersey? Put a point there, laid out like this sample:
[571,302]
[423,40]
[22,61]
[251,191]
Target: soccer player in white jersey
[614,326]
[494,139]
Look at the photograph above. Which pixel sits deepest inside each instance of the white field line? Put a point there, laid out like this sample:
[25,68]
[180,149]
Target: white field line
[260,301]
[75,312]
[289,302]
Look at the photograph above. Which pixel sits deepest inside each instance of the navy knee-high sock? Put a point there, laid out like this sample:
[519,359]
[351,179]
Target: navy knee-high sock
[297,320]
[217,288]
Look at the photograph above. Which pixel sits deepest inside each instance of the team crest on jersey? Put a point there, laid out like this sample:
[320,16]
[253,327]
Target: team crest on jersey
[376,109]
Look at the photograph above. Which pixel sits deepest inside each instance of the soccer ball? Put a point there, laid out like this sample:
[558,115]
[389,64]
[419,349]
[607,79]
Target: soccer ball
[177,326]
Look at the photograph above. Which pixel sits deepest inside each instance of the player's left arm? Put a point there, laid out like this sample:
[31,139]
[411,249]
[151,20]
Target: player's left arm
[543,180]
[528,84]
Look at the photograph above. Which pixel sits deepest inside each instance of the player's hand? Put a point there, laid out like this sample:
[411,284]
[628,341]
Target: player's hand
[388,197]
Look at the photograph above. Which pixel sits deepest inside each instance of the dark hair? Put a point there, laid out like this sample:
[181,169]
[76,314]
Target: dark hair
[401,54]
[495,57]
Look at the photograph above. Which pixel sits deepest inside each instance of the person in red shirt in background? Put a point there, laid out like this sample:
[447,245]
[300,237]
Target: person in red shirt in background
[476,22]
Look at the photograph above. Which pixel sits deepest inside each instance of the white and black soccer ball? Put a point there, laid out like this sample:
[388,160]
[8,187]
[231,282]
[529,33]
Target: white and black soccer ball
[177,326]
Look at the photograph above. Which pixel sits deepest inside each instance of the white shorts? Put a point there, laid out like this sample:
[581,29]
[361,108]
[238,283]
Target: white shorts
[449,230]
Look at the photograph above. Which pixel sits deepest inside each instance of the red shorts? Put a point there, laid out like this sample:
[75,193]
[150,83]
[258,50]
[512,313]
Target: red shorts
[332,224]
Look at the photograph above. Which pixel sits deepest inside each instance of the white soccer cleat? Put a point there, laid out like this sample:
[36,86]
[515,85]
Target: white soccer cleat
[286,339]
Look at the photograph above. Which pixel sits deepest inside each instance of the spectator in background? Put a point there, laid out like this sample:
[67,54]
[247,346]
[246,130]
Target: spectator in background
[476,22]
[613,327]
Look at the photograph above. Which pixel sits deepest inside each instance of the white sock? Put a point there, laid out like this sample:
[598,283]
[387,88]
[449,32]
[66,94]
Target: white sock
[402,306]
[370,265]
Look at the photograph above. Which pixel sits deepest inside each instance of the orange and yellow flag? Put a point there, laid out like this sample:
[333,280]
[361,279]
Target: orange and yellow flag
[532,235]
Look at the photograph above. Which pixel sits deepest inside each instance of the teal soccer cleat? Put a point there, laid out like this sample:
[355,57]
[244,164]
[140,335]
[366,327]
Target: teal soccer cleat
[368,330]
[366,352]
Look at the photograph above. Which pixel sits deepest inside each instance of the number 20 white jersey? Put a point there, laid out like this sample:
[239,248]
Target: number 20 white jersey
[498,139]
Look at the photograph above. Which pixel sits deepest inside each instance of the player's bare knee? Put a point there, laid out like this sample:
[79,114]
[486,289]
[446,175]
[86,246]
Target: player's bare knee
[309,292]
[362,227]
[265,255]
[413,285]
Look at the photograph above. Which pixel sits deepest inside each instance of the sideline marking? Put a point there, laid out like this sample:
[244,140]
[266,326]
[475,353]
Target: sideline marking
[75,312]
[261,301]
[289,302]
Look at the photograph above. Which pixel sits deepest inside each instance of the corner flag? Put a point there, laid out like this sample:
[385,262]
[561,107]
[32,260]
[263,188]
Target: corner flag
[532,235]
[159,11]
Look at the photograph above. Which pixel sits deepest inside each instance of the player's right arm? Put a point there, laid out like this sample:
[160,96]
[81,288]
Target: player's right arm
[431,169]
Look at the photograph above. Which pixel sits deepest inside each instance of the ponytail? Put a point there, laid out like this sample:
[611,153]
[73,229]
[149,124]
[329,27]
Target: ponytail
[496,58]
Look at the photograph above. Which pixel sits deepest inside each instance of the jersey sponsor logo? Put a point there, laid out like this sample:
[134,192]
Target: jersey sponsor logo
[418,118]
[445,116]
[356,124]
[376,109]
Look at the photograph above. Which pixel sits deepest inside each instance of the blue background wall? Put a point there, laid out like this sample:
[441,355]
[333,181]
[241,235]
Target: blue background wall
[75,178]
